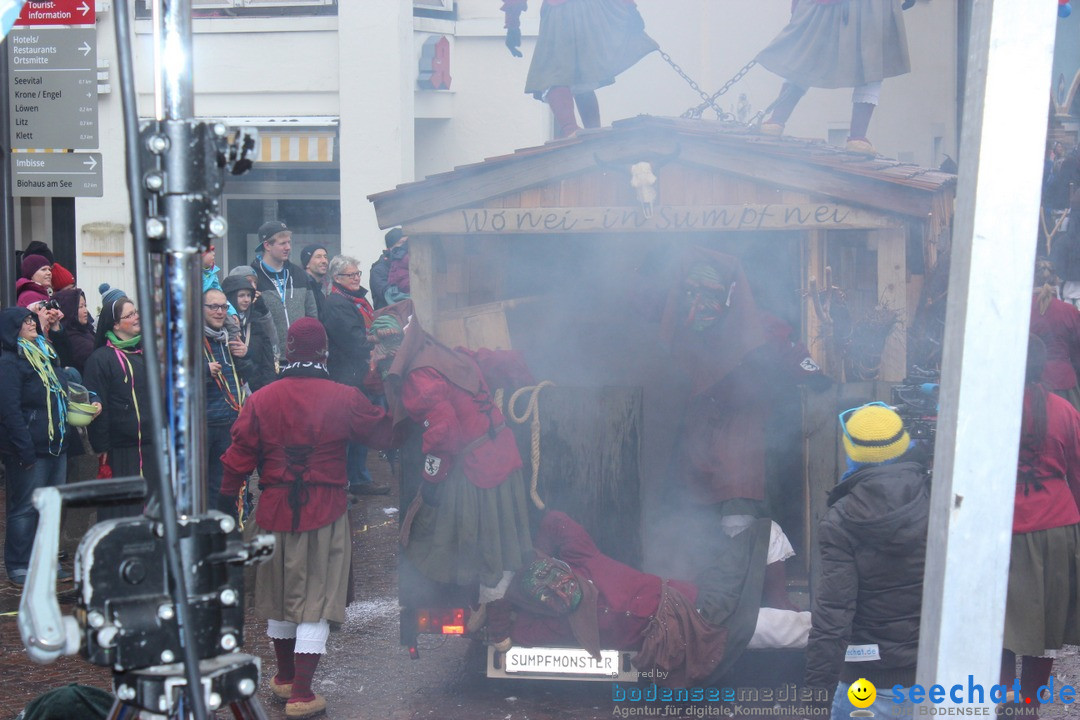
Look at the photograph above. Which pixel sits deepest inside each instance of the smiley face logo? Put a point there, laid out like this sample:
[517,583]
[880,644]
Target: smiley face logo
[862,693]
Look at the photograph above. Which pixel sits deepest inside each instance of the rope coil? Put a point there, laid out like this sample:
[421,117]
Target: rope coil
[532,413]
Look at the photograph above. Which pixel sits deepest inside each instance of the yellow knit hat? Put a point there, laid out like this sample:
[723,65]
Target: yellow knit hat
[874,434]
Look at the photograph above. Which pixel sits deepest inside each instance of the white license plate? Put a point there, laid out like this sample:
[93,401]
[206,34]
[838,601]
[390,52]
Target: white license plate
[560,661]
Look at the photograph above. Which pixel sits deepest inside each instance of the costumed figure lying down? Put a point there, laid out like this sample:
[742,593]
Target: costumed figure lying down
[574,595]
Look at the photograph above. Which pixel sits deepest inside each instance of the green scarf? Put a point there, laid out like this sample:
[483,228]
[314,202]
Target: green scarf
[40,358]
[123,344]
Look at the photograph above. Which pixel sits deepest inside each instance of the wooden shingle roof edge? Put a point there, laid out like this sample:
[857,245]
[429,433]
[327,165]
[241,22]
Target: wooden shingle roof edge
[793,163]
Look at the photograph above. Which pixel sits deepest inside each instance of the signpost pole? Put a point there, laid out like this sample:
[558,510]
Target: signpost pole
[7,231]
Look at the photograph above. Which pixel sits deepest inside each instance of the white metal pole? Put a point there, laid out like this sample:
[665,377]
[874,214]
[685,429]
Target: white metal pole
[993,254]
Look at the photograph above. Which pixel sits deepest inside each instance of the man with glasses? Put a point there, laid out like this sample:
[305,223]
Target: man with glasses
[283,286]
[227,366]
[868,600]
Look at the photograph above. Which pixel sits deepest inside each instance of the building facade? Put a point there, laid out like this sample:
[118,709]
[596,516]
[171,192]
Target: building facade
[352,97]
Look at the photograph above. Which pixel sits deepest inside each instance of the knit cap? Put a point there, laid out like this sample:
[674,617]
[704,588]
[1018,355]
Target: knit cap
[61,277]
[31,264]
[306,341]
[875,434]
[308,251]
[109,294]
[242,271]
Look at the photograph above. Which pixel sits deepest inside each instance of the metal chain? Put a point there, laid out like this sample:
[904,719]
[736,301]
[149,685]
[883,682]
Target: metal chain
[709,100]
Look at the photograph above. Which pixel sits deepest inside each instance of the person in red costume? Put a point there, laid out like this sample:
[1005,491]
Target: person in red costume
[742,362]
[574,595]
[469,522]
[838,44]
[1057,324]
[582,46]
[295,431]
[1042,604]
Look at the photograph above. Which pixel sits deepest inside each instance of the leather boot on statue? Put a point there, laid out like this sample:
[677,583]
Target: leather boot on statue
[562,107]
[860,122]
[774,594]
[789,97]
[281,684]
[303,703]
[588,108]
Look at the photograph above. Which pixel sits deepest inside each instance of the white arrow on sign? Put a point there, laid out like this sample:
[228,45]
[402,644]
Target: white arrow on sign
[91,162]
[84,8]
[85,47]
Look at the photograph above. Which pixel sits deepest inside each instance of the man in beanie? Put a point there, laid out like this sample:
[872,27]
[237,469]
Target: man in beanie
[283,285]
[873,547]
[295,431]
[316,262]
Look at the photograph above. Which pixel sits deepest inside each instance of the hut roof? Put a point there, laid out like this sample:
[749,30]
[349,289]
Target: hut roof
[799,164]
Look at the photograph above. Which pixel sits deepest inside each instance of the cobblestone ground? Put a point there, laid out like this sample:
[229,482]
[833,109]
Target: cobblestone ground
[366,675]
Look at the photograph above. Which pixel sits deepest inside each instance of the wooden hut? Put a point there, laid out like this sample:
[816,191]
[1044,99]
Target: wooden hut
[560,251]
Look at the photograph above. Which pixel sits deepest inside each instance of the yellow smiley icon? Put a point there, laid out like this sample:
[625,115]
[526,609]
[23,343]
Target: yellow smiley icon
[862,693]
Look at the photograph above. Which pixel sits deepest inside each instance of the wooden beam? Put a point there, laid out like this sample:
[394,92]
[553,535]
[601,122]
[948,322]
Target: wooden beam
[799,174]
[472,185]
[892,294]
[709,219]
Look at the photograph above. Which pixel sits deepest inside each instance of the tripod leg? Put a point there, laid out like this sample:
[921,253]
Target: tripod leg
[249,709]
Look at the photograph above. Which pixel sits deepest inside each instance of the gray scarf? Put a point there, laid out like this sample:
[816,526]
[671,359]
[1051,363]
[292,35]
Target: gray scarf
[221,336]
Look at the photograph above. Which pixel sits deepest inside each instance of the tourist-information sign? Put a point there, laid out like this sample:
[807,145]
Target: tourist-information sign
[57,12]
[52,87]
[56,175]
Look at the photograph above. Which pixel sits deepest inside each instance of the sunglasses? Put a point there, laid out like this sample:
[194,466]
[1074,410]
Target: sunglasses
[851,411]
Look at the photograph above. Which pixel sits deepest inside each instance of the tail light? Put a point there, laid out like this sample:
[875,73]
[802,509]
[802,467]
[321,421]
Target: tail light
[441,621]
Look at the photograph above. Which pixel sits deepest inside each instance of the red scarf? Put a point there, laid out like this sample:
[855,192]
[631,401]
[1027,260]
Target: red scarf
[362,305]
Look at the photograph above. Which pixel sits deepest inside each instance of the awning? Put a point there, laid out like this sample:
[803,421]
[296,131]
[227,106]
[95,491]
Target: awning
[296,146]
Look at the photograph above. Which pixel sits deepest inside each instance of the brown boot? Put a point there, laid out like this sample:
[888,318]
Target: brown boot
[562,106]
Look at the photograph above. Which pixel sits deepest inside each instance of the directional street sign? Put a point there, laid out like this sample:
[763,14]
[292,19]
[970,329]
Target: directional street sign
[56,175]
[52,87]
[57,12]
